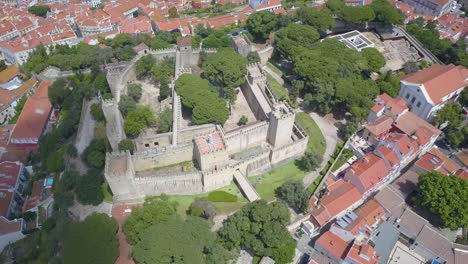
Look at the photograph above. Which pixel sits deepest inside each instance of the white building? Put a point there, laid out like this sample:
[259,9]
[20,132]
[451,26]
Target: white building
[427,91]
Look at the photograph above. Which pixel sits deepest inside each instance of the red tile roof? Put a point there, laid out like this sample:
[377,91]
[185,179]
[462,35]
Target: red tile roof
[371,211]
[439,80]
[7,227]
[9,73]
[436,160]
[9,175]
[381,125]
[35,196]
[369,170]
[333,244]
[34,116]
[462,173]
[341,196]
[363,254]
[210,143]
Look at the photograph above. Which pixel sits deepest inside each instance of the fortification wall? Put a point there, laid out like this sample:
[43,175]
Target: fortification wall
[246,137]
[252,100]
[183,183]
[163,156]
[215,179]
[149,138]
[114,123]
[188,134]
[118,76]
[288,152]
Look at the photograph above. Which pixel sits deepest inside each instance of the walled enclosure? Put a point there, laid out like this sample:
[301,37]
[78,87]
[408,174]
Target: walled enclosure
[218,154]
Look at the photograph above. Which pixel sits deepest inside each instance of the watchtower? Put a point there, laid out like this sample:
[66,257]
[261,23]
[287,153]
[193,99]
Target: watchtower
[184,52]
[281,125]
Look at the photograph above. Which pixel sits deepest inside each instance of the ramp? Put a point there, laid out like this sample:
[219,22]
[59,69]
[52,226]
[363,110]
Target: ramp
[246,188]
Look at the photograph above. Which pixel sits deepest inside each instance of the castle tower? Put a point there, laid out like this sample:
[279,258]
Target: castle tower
[184,52]
[281,125]
[120,175]
[114,123]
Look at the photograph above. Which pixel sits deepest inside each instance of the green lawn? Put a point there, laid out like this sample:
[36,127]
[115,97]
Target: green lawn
[278,90]
[184,201]
[274,68]
[316,142]
[106,192]
[266,183]
[345,155]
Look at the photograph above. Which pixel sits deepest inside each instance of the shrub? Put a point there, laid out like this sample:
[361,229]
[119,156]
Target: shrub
[97,113]
[135,91]
[222,196]
[243,120]
[126,144]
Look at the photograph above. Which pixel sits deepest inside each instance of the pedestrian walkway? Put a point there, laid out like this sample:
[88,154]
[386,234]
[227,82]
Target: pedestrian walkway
[247,189]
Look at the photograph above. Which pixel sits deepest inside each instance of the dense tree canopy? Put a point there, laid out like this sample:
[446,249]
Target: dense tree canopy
[260,227]
[444,196]
[126,144]
[165,121]
[226,68]
[205,104]
[291,40]
[357,15]
[294,194]
[155,210]
[332,75]
[88,187]
[138,119]
[261,24]
[319,19]
[179,241]
[126,105]
[374,58]
[386,13]
[93,241]
[216,39]
[451,113]
[39,10]
[95,154]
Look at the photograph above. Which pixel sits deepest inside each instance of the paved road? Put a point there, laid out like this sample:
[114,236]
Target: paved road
[330,132]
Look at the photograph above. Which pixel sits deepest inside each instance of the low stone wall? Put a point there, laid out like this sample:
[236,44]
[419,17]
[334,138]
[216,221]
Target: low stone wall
[153,140]
[184,183]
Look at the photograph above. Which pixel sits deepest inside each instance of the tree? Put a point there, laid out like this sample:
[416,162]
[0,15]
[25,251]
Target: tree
[173,12]
[386,13]
[444,196]
[134,91]
[243,120]
[126,105]
[292,40]
[260,227]
[97,113]
[39,10]
[294,194]
[389,83]
[58,91]
[374,58]
[227,69]
[311,161]
[201,30]
[418,21]
[319,19]
[260,24]
[202,208]
[410,67]
[179,241]
[155,210]
[95,154]
[88,187]
[350,128]
[126,144]
[217,39]
[335,6]
[143,66]
[138,119]
[3,66]
[165,121]
[357,15]
[463,99]
[164,90]
[253,57]
[451,113]
[92,241]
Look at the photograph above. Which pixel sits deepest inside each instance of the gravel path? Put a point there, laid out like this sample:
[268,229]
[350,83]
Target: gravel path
[330,132]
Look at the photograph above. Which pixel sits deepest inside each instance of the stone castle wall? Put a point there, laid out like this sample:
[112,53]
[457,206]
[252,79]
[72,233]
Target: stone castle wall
[114,123]
[183,183]
[188,134]
[289,152]
[163,156]
[149,138]
[246,137]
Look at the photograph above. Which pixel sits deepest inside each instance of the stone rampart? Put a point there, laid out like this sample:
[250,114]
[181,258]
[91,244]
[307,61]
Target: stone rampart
[288,152]
[183,183]
[188,134]
[114,123]
[163,156]
[246,136]
[149,138]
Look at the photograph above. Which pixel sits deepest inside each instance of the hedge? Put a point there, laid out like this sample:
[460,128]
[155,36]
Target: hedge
[222,196]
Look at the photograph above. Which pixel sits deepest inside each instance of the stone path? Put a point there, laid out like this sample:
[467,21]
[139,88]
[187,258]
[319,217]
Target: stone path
[86,128]
[120,213]
[330,132]
[82,211]
[248,190]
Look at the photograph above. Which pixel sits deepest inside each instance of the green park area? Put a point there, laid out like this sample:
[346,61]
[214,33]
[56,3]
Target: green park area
[184,201]
[266,183]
